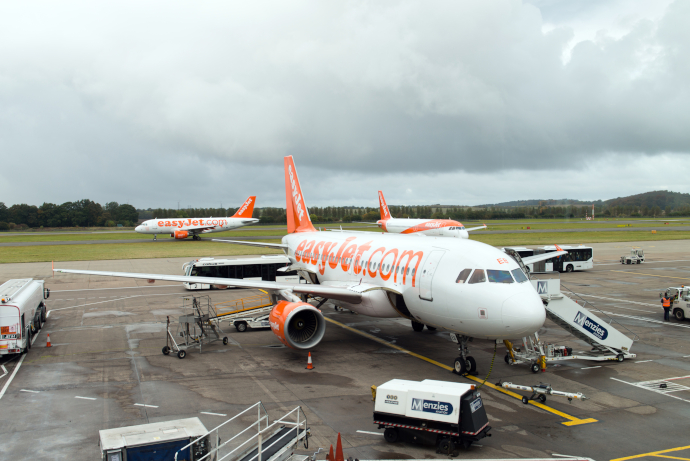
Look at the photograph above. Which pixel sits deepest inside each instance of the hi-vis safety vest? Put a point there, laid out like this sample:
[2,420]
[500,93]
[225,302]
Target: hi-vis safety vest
[666,302]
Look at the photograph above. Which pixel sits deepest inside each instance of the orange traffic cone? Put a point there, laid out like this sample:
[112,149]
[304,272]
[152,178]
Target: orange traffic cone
[329,457]
[48,345]
[339,450]
[310,366]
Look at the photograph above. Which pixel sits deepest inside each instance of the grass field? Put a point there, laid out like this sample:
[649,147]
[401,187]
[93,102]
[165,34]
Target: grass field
[102,251]
[193,249]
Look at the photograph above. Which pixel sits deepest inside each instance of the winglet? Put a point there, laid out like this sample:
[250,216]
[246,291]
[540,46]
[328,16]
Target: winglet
[247,208]
[557,247]
[385,213]
[298,219]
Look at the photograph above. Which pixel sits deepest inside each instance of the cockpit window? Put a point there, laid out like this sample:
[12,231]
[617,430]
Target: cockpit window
[478,276]
[499,276]
[462,278]
[519,275]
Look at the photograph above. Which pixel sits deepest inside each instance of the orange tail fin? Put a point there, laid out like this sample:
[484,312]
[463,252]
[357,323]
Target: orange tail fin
[297,213]
[385,214]
[247,208]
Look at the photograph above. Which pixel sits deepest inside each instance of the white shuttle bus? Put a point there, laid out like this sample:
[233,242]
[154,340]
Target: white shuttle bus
[263,268]
[22,314]
[578,258]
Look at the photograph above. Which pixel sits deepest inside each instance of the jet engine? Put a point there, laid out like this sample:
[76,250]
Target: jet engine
[178,234]
[297,325]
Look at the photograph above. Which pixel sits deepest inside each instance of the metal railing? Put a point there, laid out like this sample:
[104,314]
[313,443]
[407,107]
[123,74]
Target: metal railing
[298,432]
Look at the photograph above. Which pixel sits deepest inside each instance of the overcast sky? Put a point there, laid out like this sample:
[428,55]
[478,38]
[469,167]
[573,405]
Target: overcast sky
[455,102]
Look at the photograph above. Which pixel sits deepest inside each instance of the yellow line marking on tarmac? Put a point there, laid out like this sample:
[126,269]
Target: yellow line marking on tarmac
[672,457]
[573,421]
[655,453]
[654,275]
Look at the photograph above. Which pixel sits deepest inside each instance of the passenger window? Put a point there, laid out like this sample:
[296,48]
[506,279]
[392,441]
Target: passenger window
[499,276]
[519,275]
[478,276]
[464,274]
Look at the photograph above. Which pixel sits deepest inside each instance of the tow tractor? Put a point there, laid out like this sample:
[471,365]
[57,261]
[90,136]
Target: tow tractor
[681,301]
[636,256]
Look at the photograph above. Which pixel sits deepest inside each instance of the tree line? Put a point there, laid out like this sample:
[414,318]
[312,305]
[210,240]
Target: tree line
[82,213]
[86,213]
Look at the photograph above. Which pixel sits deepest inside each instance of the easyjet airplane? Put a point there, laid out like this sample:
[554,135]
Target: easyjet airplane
[463,286]
[435,227]
[182,228]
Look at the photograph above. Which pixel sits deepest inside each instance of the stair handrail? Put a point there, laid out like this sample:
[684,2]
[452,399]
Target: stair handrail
[611,319]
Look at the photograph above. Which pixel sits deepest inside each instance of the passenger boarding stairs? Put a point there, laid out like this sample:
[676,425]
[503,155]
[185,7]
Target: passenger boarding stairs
[574,316]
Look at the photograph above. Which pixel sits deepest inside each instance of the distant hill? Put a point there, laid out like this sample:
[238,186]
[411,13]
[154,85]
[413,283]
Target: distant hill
[660,198]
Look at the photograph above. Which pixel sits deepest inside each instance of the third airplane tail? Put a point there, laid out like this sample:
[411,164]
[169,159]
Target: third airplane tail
[247,208]
[298,219]
[385,213]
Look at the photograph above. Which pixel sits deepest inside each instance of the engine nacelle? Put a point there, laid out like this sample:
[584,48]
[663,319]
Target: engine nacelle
[297,325]
[179,234]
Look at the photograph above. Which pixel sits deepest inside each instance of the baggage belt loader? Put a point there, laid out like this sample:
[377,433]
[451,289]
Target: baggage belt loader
[608,344]
[444,414]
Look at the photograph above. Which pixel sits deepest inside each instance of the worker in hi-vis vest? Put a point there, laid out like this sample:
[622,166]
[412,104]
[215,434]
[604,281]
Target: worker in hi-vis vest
[666,304]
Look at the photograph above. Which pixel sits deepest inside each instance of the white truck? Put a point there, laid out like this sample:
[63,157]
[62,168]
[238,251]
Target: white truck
[680,308]
[444,414]
[636,256]
[22,313]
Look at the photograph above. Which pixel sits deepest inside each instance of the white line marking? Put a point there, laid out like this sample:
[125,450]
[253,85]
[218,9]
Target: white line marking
[27,390]
[7,384]
[643,361]
[372,433]
[48,314]
[647,319]
[84,398]
[589,368]
[5,371]
[212,414]
[619,300]
[111,300]
[685,356]
[653,390]
[143,405]
[115,288]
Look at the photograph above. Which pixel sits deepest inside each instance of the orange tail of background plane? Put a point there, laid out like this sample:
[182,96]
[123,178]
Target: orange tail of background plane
[298,219]
[247,208]
[385,214]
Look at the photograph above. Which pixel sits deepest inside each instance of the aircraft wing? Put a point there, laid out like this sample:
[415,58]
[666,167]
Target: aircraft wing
[541,257]
[277,246]
[330,292]
[476,228]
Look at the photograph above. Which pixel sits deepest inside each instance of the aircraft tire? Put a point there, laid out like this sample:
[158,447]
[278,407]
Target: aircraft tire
[460,366]
[471,364]
[417,326]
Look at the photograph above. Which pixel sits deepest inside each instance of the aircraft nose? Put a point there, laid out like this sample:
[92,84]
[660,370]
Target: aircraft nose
[523,314]
[138,228]
[464,234]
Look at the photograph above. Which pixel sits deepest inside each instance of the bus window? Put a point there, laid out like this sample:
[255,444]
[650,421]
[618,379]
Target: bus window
[251,271]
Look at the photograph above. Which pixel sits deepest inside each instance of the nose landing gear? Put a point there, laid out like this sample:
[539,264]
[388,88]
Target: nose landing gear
[465,364]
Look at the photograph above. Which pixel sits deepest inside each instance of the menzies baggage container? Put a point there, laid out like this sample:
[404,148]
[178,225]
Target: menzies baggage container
[444,414]
[22,314]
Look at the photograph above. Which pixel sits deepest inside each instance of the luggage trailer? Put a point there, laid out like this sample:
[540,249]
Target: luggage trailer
[444,414]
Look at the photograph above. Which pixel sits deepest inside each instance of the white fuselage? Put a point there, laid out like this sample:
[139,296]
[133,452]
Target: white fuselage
[422,272]
[431,227]
[192,225]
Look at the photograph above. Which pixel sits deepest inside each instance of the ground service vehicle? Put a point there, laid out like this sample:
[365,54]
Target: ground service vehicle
[444,414]
[387,276]
[22,313]
[636,256]
[578,258]
[269,268]
[680,308]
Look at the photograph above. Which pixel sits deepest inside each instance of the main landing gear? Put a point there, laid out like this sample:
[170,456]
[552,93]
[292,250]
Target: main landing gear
[196,237]
[154,237]
[465,364]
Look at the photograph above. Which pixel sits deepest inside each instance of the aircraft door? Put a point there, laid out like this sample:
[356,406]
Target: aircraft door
[428,270]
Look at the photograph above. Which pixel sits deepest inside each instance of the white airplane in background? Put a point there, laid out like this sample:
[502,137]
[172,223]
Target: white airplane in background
[435,227]
[181,228]
[460,285]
